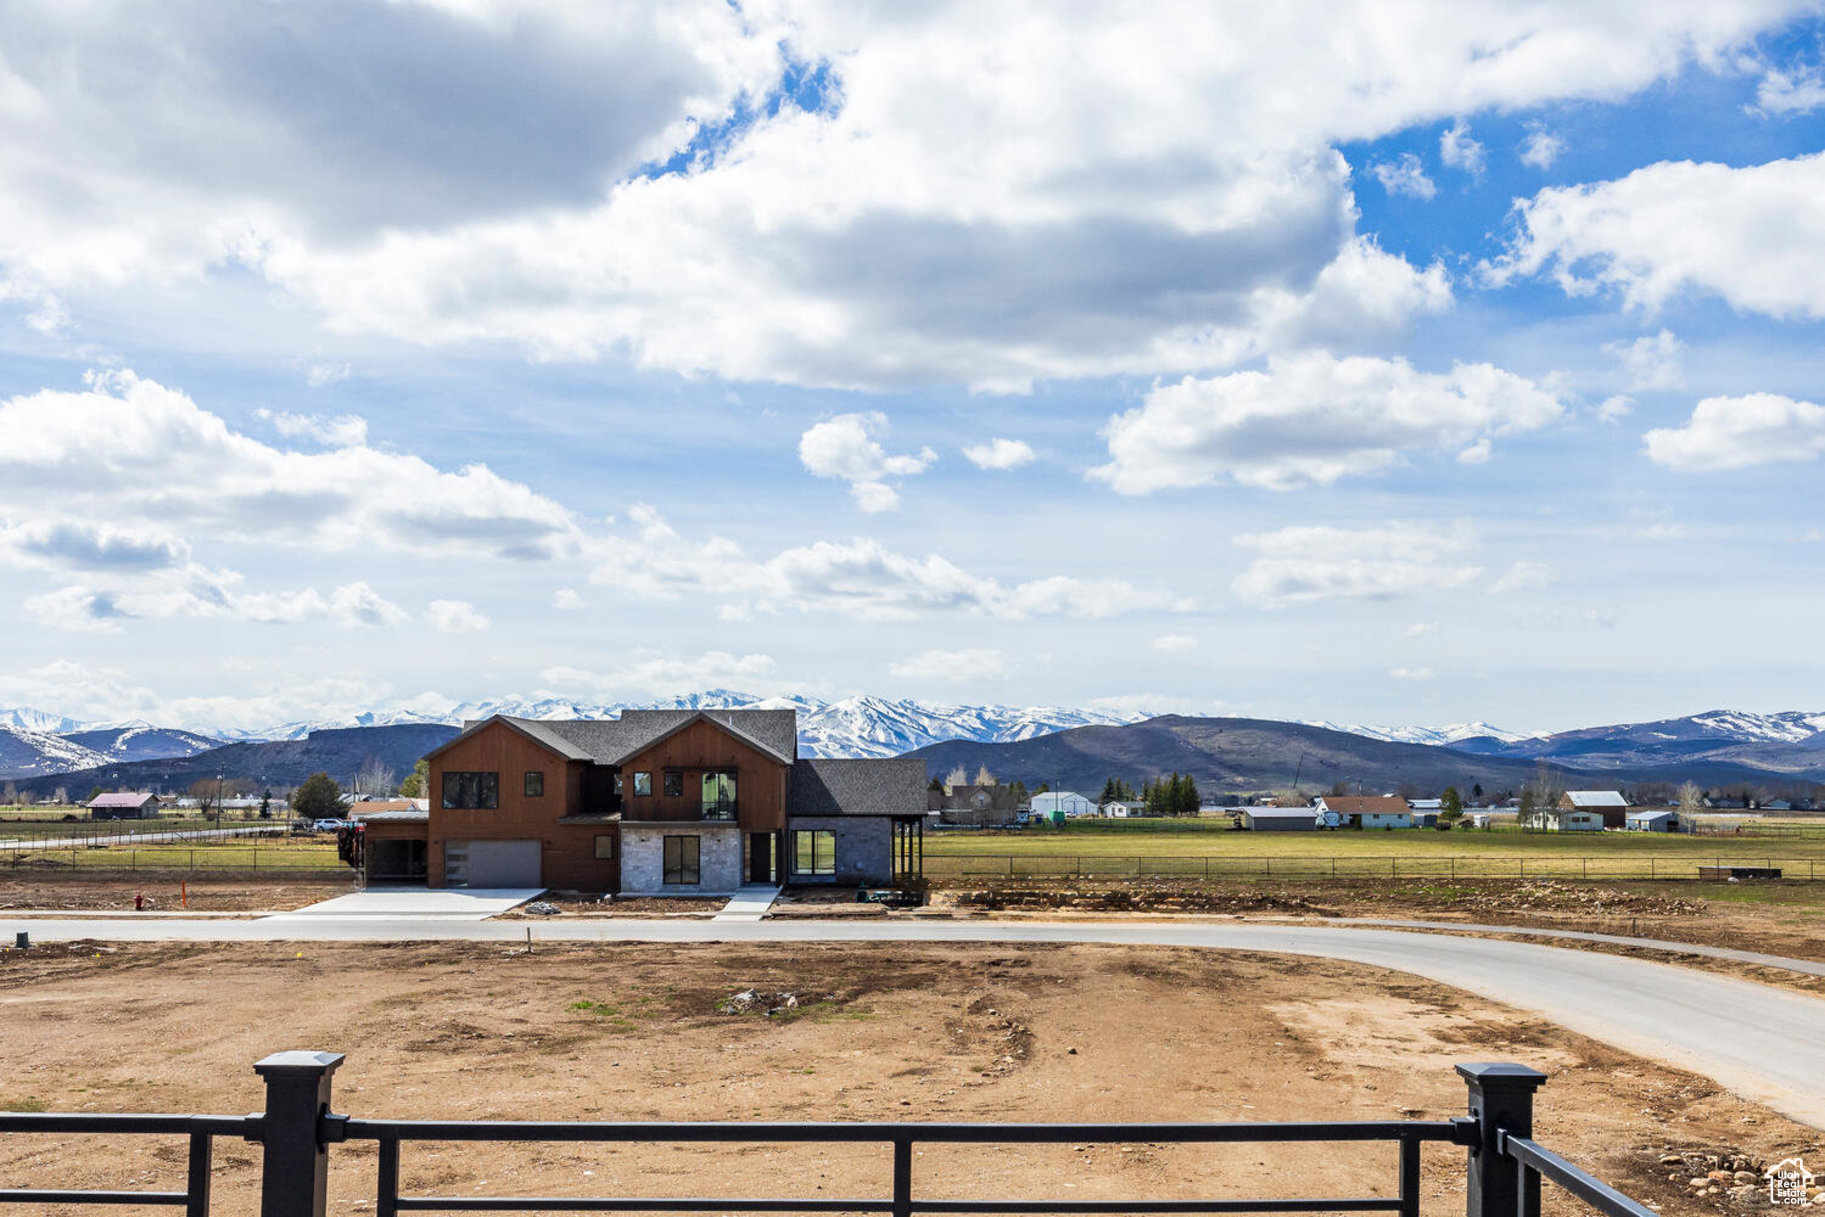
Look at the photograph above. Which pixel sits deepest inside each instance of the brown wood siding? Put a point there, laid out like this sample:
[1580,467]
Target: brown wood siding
[760,781]
[569,850]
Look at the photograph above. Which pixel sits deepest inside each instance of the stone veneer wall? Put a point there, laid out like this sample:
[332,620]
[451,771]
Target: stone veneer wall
[643,859]
[864,848]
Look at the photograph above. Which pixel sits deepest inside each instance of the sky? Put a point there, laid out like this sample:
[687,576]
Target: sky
[1402,364]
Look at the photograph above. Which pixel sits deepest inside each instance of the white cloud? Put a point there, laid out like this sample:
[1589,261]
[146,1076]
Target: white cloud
[1313,419]
[1614,407]
[1410,673]
[566,599]
[340,431]
[1739,432]
[962,667]
[992,196]
[845,448]
[1652,361]
[1457,149]
[1175,643]
[646,671]
[1420,629]
[456,617]
[1308,563]
[197,592]
[1405,176]
[1000,454]
[1541,148]
[1478,453]
[1800,91]
[1523,576]
[322,375]
[1754,236]
[859,578]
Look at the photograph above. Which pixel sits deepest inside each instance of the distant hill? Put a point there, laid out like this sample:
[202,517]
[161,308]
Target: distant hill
[141,742]
[1246,754]
[339,753]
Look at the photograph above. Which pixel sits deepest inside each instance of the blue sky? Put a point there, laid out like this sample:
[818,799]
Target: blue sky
[1461,364]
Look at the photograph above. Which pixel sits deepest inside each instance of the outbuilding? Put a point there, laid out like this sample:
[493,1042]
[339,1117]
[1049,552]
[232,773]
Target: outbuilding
[136,806]
[1367,811]
[1280,819]
[1067,803]
[1609,805]
[1653,821]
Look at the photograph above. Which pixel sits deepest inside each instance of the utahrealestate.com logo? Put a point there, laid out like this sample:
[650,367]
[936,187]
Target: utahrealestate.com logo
[1789,1182]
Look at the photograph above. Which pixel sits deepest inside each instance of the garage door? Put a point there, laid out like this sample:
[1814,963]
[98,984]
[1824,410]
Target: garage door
[504,864]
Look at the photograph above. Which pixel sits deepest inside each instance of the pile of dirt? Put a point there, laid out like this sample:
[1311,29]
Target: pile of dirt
[1551,895]
[1140,896]
[167,894]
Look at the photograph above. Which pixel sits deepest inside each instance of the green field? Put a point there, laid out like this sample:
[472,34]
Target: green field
[39,828]
[280,854]
[1398,853]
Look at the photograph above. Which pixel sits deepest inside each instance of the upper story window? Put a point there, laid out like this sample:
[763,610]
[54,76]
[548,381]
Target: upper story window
[674,785]
[471,791]
[535,783]
[643,783]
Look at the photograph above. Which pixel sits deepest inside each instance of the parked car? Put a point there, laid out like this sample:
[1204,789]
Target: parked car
[328,825]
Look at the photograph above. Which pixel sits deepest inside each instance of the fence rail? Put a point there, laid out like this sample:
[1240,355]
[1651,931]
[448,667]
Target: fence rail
[173,859]
[1355,866]
[299,1126]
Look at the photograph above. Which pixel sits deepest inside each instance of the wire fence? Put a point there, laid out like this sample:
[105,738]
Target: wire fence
[1214,866]
[88,833]
[204,859]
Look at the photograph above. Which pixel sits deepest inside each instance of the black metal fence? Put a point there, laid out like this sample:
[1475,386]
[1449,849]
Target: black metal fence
[1616,866]
[1502,1179]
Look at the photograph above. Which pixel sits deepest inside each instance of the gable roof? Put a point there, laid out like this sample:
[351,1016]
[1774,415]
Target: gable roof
[610,741]
[1365,804]
[1596,798]
[122,800]
[892,787]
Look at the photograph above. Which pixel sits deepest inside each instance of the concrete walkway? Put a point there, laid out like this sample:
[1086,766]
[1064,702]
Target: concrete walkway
[409,903]
[1765,1043]
[749,904]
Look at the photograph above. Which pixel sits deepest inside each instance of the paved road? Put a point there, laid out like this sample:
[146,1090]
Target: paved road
[125,840]
[1764,1043]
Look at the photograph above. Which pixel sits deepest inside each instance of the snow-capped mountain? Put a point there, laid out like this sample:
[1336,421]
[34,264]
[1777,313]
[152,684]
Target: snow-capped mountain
[1788,727]
[139,741]
[854,726]
[24,718]
[30,753]
[1443,737]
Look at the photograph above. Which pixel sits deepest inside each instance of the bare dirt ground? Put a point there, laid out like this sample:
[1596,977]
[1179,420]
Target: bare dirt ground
[166,893]
[836,1032]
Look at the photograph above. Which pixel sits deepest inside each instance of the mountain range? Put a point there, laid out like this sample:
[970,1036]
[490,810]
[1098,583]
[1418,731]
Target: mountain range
[1714,747]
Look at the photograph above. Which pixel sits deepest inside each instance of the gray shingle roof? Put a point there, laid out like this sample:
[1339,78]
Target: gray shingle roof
[857,788]
[609,741]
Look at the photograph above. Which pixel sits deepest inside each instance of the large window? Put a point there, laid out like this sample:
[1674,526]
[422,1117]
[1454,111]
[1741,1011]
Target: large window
[469,791]
[681,861]
[719,796]
[814,851]
[643,783]
[535,783]
[674,785]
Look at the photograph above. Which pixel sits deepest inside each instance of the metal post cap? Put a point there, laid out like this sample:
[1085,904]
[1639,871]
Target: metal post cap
[1502,1075]
[297,1061]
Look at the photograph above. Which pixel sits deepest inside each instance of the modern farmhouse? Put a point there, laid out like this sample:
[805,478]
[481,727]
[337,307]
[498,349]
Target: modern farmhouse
[657,802]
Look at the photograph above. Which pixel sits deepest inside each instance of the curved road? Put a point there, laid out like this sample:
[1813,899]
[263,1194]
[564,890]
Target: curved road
[1764,1043]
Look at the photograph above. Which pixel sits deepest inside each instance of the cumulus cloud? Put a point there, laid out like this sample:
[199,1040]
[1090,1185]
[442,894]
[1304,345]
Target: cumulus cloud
[1410,673]
[975,194]
[1541,147]
[566,599]
[200,593]
[845,448]
[1523,576]
[1614,407]
[960,667]
[1797,91]
[860,578]
[1308,563]
[1459,150]
[1175,642]
[456,617]
[1754,236]
[1739,432]
[1652,361]
[1404,176]
[1000,454]
[341,431]
[85,545]
[1313,419]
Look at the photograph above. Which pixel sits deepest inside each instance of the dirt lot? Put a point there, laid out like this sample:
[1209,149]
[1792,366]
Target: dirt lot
[166,893]
[918,1033]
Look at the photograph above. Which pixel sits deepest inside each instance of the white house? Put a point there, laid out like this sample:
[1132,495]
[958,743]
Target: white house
[1069,803]
[1366,811]
[1557,819]
[1122,810]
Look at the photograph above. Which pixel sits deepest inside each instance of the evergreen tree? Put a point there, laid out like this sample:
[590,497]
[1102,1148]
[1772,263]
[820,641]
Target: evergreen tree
[417,785]
[266,804]
[318,797]
[1193,800]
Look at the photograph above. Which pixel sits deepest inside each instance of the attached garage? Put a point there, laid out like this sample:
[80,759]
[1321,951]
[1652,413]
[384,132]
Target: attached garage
[494,863]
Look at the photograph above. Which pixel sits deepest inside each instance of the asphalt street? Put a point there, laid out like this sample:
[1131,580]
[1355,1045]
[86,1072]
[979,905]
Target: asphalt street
[1764,1043]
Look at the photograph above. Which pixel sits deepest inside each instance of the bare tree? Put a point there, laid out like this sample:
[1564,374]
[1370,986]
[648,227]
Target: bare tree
[376,777]
[1691,799]
[9,794]
[1548,787]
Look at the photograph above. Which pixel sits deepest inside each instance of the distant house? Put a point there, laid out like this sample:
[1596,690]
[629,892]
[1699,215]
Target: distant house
[1366,810]
[1652,821]
[1609,804]
[1123,809]
[1280,819]
[1426,804]
[1062,802]
[1559,819]
[138,806]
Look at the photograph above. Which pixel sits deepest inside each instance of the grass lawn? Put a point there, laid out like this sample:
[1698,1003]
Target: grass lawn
[279,854]
[39,827]
[1397,852]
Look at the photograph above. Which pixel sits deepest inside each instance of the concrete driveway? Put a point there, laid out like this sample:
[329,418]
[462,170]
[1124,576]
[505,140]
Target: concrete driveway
[414,903]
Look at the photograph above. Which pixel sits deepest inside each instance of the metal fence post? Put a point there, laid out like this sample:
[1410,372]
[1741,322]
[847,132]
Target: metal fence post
[294,1174]
[1501,1101]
